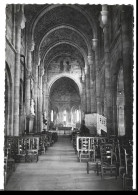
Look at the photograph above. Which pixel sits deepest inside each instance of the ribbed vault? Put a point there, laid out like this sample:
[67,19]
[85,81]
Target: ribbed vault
[63,33]
[64,50]
[62,14]
[53,24]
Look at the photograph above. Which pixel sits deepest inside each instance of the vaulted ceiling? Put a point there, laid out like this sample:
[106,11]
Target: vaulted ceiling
[60,29]
[65,89]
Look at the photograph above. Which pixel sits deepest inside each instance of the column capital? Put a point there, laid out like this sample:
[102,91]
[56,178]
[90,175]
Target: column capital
[45,77]
[28,73]
[41,70]
[90,59]
[104,20]
[86,69]
[94,44]
[38,59]
[82,78]
[31,45]
[89,56]
[20,19]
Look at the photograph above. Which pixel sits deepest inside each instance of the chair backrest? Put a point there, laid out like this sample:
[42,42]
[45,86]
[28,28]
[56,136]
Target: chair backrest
[121,155]
[125,153]
[128,163]
[84,143]
[106,151]
[32,151]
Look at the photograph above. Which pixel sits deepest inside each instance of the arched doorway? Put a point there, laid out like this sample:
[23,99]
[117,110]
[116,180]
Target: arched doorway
[120,104]
[64,95]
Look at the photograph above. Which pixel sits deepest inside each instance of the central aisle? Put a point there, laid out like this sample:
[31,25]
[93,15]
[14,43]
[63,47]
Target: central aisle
[58,170]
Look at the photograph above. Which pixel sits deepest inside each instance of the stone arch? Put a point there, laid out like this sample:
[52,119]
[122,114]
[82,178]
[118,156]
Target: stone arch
[68,76]
[64,107]
[70,43]
[67,27]
[90,20]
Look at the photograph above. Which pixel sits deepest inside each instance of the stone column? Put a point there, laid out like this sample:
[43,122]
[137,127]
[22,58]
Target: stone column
[45,111]
[127,52]
[114,101]
[36,93]
[47,108]
[87,88]
[92,83]
[108,97]
[44,91]
[30,48]
[98,99]
[41,73]
[83,97]
[20,24]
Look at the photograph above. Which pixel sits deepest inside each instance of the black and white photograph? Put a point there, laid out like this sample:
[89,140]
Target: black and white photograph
[68,89]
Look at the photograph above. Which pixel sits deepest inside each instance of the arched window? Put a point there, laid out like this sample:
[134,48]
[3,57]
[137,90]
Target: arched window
[64,116]
[77,115]
[51,115]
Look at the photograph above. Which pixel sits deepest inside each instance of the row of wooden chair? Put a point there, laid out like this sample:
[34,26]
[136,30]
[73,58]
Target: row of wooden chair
[27,148]
[105,155]
[118,158]
[9,165]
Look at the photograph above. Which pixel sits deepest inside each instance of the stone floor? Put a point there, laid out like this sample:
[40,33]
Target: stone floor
[59,170]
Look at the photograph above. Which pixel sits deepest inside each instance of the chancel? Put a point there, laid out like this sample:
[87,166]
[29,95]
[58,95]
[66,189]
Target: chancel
[69,67]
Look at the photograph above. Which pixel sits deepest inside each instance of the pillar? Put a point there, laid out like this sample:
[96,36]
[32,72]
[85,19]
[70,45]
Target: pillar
[108,97]
[87,88]
[92,83]
[45,98]
[41,73]
[37,63]
[20,24]
[97,84]
[30,48]
[128,69]
[44,91]
[83,95]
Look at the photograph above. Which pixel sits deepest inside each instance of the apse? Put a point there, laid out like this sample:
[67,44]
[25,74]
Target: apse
[65,103]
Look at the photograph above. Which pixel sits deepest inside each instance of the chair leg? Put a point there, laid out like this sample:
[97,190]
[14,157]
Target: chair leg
[87,167]
[111,172]
[97,168]
[102,172]
[80,157]
[116,173]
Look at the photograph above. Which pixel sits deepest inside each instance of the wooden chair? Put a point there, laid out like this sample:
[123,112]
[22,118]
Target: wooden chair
[74,140]
[22,147]
[84,151]
[9,165]
[121,161]
[91,165]
[98,141]
[127,176]
[108,159]
[31,156]
[95,162]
